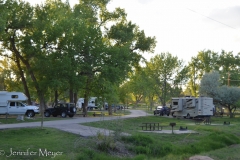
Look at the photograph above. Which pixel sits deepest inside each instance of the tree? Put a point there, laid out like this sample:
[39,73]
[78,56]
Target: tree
[109,50]
[71,49]
[204,62]
[138,85]
[209,84]
[229,68]
[33,36]
[225,95]
[165,70]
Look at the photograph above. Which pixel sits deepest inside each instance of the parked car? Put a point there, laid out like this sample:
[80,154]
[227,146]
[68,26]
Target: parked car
[157,110]
[117,107]
[165,111]
[62,109]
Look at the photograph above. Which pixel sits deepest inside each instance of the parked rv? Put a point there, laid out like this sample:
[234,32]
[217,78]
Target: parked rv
[13,103]
[92,103]
[192,107]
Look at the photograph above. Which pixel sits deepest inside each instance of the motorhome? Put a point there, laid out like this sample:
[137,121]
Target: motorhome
[192,107]
[92,103]
[12,103]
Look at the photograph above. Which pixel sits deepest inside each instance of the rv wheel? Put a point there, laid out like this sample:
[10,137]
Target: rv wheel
[188,116]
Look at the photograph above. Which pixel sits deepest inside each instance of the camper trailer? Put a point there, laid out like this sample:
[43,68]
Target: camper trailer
[192,107]
[12,103]
[92,104]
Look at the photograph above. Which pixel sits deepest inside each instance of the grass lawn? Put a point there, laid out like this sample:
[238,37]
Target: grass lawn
[12,118]
[105,112]
[217,141]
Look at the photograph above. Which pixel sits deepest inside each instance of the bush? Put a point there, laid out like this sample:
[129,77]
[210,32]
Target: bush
[105,143]
[139,140]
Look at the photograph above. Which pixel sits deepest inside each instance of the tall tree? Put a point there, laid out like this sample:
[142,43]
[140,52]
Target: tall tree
[138,85]
[17,19]
[33,35]
[204,62]
[227,96]
[165,69]
[110,48]
[229,68]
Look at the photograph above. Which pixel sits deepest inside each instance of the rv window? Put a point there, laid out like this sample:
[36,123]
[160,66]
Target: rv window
[12,104]
[175,103]
[14,96]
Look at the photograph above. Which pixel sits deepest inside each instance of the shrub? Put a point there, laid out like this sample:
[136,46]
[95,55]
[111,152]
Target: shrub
[141,140]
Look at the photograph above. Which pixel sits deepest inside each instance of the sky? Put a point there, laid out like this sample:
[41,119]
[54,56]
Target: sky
[184,27]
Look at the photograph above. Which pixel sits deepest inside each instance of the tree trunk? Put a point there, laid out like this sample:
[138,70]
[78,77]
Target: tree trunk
[29,69]
[71,95]
[24,82]
[55,97]
[230,111]
[151,102]
[85,104]
[75,98]
[109,109]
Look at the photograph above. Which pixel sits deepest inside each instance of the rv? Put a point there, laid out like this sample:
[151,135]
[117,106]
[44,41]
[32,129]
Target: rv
[91,103]
[192,107]
[12,103]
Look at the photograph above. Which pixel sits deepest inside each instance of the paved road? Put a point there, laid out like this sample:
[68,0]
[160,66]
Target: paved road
[73,125]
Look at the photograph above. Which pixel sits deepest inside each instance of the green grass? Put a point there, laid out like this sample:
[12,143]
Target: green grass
[172,146]
[37,118]
[105,112]
[217,141]
[41,144]
[12,119]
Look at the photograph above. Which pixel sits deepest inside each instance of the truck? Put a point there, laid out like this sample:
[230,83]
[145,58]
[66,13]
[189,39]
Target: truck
[192,107]
[92,103]
[12,103]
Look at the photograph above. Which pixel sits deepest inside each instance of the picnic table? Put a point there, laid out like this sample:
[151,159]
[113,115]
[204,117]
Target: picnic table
[151,126]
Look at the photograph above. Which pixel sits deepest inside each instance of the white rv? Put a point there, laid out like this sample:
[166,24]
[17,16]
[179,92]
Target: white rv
[12,103]
[192,107]
[91,103]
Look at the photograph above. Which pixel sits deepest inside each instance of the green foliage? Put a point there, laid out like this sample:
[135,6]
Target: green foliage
[166,73]
[154,145]
[207,61]
[211,139]
[145,144]
[139,140]
[105,143]
[227,96]
[64,49]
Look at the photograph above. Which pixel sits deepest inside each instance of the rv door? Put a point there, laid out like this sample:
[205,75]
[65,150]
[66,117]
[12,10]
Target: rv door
[180,104]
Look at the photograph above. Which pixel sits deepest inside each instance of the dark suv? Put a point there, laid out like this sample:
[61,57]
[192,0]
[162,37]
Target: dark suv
[162,111]
[63,109]
[165,111]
